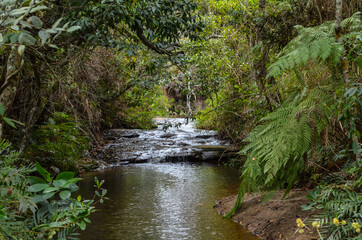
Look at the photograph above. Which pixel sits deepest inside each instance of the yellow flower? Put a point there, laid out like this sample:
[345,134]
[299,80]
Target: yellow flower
[336,221]
[301,231]
[344,222]
[300,223]
[315,224]
[355,225]
[358,230]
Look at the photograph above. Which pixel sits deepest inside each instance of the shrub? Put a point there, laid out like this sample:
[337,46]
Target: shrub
[59,143]
[34,207]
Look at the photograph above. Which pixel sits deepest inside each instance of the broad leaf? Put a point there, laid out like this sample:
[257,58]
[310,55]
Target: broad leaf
[44,35]
[35,21]
[59,183]
[37,187]
[26,38]
[33,180]
[50,189]
[65,175]
[65,194]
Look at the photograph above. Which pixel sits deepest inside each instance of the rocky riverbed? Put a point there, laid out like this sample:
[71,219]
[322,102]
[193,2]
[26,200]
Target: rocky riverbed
[174,140]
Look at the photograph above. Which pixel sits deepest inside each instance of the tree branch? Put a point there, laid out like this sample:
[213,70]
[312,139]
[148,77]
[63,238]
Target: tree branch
[150,45]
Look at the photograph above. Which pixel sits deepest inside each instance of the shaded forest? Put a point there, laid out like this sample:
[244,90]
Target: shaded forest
[280,79]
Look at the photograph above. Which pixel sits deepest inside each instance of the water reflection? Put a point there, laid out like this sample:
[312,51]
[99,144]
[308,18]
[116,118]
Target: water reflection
[163,201]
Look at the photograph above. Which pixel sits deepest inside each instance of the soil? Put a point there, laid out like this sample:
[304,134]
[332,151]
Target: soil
[275,219]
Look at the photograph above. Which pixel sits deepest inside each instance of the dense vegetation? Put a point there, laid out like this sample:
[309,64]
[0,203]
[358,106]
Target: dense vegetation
[280,78]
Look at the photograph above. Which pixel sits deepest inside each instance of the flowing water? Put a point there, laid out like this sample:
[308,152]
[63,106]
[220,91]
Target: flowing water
[162,200]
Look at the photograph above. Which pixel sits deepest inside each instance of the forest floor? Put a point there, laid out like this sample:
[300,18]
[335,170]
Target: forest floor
[275,219]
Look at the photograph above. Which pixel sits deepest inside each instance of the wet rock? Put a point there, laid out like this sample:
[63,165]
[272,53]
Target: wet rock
[205,136]
[132,135]
[168,135]
[183,143]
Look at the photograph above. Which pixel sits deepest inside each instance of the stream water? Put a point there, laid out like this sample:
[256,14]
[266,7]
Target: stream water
[163,200]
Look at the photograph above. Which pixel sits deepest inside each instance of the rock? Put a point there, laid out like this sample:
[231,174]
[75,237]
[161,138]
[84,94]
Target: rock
[168,135]
[132,135]
[205,136]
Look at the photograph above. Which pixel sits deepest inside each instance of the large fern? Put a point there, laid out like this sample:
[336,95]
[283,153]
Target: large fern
[314,43]
[277,148]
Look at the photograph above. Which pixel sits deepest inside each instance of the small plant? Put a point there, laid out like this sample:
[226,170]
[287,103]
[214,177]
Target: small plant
[58,212]
[41,207]
[352,228]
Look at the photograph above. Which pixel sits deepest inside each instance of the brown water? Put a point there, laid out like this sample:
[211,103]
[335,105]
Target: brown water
[163,201]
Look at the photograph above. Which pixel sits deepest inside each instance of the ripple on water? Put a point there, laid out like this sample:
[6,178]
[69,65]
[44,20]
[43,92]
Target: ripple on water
[163,201]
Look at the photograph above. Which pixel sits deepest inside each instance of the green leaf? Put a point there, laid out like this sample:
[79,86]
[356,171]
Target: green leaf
[48,195]
[59,183]
[44,35]
[43,172]
[37,187]
[65,175]
[33,180]
[70,181]
[53,46]
[15,28]
[57,23]
[35,21]
[15,121]
[2,109]
[19,11]
[82,225]
[65,194]
[21,50]
[50,189]
[9,121]
[26,38]
[37,198]
[72,29]
[38,8]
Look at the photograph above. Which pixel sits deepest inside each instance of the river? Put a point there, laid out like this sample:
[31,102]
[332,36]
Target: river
[162,200]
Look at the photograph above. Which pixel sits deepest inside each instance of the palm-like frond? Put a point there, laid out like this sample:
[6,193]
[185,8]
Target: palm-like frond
[277,147]
[314,43]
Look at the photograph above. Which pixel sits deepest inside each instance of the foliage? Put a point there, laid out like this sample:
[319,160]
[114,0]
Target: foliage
[158,24]
[33,207]
[60,143]
[288,142]
[277,149]
[143,105]
[338,197]
[349,108]
[21,26]
[9,121]
[314,43]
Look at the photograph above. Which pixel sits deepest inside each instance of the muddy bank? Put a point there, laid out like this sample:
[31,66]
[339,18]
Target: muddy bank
[274,220]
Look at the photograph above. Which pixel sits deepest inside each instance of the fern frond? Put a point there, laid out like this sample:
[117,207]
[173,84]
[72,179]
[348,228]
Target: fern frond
[276,147]
[317,44]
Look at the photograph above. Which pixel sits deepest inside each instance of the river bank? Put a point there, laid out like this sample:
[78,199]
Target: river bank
[275,219]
